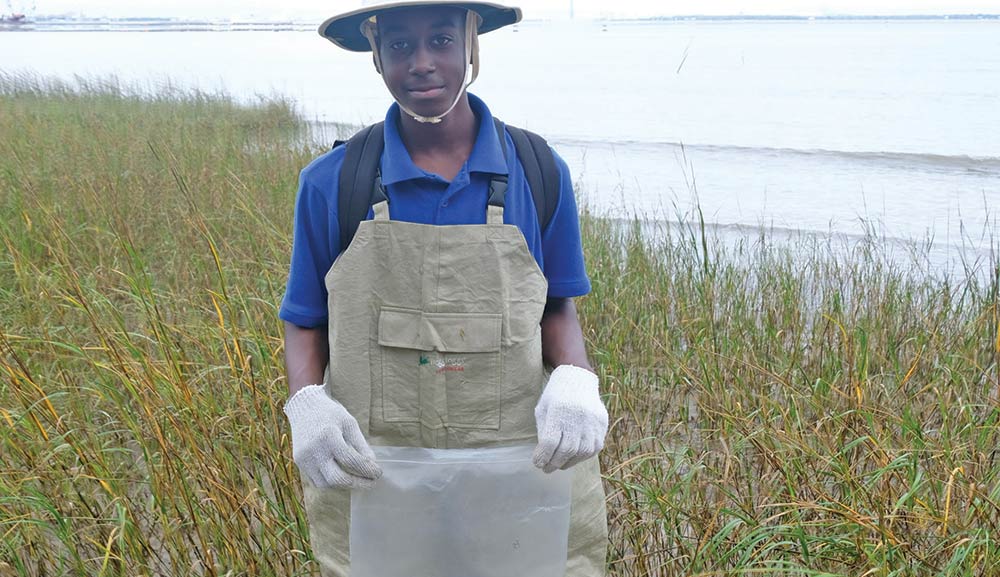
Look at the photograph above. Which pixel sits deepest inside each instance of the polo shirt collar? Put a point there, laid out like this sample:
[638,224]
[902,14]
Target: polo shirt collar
[487,156]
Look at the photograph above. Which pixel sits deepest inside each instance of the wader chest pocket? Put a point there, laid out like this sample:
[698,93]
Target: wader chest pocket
[441,369]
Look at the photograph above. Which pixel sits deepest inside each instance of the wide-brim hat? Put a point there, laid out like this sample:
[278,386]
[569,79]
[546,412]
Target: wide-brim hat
[344,30]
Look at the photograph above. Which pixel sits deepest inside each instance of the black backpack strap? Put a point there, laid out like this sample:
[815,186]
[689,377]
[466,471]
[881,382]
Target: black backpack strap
[540,169]
[360,184]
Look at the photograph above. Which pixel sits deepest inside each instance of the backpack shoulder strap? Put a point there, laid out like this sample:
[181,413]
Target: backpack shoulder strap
[360,183]
[360,180]
[540,170]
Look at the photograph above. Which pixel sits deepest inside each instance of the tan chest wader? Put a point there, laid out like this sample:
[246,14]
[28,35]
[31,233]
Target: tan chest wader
[435,342]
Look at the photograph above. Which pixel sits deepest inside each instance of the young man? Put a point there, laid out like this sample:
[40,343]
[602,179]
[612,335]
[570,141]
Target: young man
[433,326]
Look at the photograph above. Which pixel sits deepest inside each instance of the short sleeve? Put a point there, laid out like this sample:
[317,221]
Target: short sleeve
[561,245]
[315,242]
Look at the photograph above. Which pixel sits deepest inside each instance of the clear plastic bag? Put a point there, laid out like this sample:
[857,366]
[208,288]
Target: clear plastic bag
[460,513]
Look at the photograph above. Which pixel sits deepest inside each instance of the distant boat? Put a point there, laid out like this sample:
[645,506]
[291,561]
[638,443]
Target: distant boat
[13,19]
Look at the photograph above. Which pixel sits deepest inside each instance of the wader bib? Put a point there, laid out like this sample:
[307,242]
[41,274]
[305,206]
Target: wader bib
[435,342]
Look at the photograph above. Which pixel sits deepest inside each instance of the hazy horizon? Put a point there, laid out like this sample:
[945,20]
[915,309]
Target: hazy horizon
[536,9]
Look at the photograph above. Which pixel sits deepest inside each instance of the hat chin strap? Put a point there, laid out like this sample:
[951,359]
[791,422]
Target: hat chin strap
[471,67]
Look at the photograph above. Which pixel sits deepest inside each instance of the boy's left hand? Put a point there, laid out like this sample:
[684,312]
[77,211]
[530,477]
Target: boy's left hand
[571,419]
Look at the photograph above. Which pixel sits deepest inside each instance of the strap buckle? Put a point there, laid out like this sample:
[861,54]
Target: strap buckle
[498,190]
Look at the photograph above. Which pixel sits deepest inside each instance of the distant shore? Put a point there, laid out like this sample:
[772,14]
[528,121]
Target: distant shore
[84,23]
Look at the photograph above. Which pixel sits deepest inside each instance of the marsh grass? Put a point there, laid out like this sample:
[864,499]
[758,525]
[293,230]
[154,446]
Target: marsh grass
[775,410]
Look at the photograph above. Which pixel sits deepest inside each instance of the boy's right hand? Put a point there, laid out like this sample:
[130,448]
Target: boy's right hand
[327,444]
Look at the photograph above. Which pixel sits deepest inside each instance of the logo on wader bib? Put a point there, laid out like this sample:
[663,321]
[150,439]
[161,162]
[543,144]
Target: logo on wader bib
[450,365]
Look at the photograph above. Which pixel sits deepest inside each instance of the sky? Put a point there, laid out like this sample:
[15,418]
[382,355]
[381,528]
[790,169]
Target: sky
[320,9]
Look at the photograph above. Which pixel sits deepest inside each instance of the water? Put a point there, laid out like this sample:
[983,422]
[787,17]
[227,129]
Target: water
[832,127]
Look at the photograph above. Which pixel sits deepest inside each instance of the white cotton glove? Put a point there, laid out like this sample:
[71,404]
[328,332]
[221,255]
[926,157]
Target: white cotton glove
[327,444]
[571,419]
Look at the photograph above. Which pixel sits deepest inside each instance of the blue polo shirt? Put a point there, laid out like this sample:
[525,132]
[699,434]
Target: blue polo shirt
[416,195]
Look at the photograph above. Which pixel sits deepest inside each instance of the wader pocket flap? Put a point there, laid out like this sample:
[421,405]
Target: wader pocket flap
[445,332]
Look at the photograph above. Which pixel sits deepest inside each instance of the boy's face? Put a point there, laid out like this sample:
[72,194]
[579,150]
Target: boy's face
[423,56]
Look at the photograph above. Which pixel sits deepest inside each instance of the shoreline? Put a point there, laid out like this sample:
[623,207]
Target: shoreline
[940,255]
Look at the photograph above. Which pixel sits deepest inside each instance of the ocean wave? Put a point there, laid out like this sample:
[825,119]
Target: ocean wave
[976,164]
[872,231]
